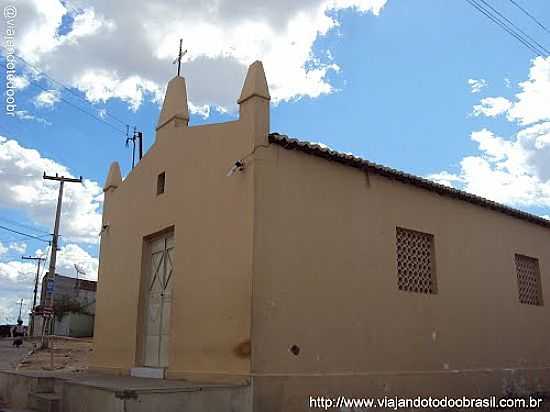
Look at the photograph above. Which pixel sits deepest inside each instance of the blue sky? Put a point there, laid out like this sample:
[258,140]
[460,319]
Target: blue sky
[386,81]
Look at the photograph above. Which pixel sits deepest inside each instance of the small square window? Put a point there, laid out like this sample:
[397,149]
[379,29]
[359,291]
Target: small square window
[415,261]
[529,285]
[161,182]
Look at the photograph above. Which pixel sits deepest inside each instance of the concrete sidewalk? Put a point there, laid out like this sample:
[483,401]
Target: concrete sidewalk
[70,392]
[10,356]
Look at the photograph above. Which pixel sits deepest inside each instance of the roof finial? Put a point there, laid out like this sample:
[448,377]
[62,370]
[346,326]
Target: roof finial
[180,55]
[255,83]
[114,178]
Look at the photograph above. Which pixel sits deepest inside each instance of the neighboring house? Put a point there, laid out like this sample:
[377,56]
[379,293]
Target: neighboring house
[74,306]
[233,253]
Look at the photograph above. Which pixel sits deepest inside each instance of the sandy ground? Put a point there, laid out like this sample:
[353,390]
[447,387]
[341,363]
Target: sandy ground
[69,355]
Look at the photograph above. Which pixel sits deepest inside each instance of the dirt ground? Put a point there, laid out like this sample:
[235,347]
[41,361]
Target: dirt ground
[69,355]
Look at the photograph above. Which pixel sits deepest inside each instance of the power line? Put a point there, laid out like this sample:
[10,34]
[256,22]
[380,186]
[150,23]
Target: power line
[501,24]
[541,47]
[23,234]
[530,15]
[93,116]
[69,89]
[28,227]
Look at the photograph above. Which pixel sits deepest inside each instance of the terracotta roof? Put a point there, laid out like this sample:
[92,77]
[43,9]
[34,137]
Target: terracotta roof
[362,164]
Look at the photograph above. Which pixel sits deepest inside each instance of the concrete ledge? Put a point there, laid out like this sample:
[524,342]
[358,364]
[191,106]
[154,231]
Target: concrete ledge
[110,393]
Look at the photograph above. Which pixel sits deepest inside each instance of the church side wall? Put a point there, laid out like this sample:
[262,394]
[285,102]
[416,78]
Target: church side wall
[328,317]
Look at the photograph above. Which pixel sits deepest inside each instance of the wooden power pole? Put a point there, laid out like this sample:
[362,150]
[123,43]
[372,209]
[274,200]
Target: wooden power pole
[38,260]
[55,236]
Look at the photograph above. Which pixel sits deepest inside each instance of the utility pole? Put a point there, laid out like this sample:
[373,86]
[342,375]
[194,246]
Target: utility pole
[55,236]
[20,308]
[139,137]
[38,260]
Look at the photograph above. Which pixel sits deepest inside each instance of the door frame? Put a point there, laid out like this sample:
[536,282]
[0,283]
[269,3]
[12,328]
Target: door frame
[143,290]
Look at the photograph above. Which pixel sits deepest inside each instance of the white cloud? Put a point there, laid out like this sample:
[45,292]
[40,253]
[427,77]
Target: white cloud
[25,115]
[532,104]
[72,254]
[22,187]
[17,278]
[19,247]
[3,249]
[445,178]
[492,106]
[18,82]
[47,98]
[514,170]
[477,84]
[547,217]
[118,50]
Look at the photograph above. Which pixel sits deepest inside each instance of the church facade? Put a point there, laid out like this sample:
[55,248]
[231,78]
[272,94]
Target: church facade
[232,254]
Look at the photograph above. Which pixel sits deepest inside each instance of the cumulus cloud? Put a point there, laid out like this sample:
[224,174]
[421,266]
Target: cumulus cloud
[445,178]
[19,247]
[22,187]
[492,106]
[118,50]
[3,249]
[72,254]
[512,169]
[47,98]
[17,278]
[25,115]
[19,82]
[477,84]
[530,104]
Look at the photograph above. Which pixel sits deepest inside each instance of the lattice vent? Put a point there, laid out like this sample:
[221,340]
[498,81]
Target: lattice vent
[415,261]
[529,285]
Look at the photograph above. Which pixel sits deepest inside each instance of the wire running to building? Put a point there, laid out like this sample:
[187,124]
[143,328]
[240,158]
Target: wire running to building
[35,84]
[69,89]
[21,225]
[23,234]
[508,26]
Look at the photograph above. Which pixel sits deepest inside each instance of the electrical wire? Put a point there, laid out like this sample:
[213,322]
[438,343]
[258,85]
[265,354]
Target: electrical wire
[531,16]
[69,89]
[540,46]
[93,116]
[23,234]
[28,227]
[43,73]
[510,31]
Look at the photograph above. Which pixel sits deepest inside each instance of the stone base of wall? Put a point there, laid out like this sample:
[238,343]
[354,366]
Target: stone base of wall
[278,393]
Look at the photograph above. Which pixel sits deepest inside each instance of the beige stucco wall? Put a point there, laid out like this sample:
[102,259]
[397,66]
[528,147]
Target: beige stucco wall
[325,279]
[212,219]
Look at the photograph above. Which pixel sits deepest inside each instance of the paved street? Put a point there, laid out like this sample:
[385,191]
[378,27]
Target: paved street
[9,355]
